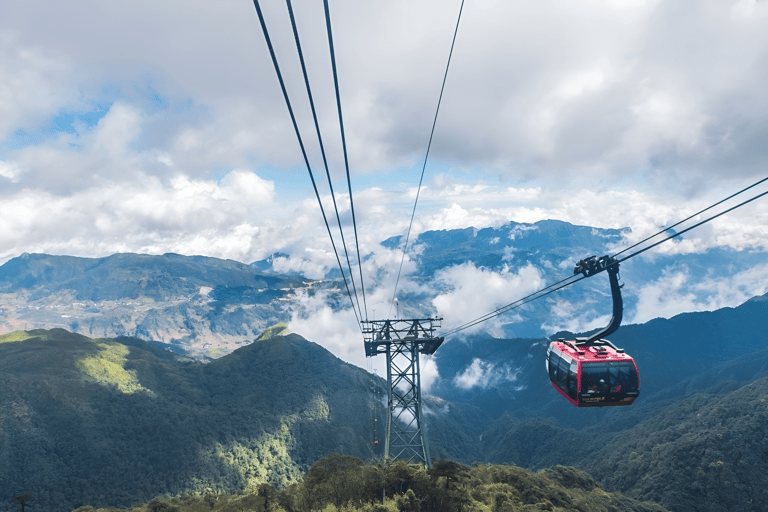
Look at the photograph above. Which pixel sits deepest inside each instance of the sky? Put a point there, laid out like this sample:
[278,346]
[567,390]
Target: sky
[156,127]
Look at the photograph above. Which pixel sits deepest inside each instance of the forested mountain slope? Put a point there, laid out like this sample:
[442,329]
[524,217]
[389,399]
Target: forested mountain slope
[705,452]
[112,422]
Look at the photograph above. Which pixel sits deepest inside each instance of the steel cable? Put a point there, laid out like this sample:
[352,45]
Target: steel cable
[514,305]
[670,237]
[692,216]
[538,294]
[303,150]
[322,147]
[426,157]
[344,147]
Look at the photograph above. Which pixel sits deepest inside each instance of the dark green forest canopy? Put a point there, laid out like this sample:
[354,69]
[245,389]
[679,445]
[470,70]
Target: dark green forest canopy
[111,422]
[115,421]
[338,482]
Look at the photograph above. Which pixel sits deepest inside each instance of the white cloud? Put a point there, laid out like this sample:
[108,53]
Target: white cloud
[311,263]
[337,331]
[33,83]
[576,318]
[184,216]
[595,89]
[484,374]
[9,170]
[472,291]
[429,373]
[676,292]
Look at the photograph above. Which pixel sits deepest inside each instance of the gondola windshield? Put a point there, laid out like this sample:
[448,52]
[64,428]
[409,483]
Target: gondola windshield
[610,377]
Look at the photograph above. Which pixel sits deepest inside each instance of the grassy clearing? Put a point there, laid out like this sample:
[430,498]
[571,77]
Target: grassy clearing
[15,336]
[280,329]
[108,369]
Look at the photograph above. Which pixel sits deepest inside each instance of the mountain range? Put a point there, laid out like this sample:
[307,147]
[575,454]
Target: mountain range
[114,421]
[200,306]
[132,376]
[206,307]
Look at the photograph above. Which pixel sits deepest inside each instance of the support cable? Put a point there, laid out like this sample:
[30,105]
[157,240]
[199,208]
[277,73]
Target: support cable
[303,151]
[510,306]
[573,279]
[670,237]
[426,157]
[692,216]
[322,148]
[344,146]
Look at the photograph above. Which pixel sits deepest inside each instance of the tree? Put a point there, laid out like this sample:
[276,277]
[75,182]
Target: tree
[23,499]
[408,502]
[334,479]
[400,477]
[269,494]
[294,498]
[447,493]
[161,505]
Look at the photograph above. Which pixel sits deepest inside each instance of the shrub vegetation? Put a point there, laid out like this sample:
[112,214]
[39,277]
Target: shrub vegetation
[344,483]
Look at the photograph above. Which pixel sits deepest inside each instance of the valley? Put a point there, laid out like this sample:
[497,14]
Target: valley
[107,422]
[133,376]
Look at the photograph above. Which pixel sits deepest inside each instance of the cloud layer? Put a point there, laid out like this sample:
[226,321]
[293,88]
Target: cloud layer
[144,127]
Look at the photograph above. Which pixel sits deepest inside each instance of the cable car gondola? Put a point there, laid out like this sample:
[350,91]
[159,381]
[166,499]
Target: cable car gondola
[593,372]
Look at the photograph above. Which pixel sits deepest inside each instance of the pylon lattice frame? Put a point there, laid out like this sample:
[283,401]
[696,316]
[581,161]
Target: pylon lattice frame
[403,341]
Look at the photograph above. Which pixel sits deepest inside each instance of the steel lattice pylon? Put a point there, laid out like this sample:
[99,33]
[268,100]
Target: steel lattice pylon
[403,341]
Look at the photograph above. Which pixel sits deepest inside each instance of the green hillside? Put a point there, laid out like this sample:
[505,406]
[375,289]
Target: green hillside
[703,453]
[706,453]
[112,422]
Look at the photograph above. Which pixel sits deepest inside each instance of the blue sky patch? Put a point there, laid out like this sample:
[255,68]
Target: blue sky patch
[63,122]
[69,122]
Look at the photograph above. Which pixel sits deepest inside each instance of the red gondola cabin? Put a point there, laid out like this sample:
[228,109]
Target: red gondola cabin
[592,376]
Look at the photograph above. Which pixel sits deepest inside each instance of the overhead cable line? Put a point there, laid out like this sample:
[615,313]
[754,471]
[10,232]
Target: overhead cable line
[692,216]
[514,305]
[344,147]
[670,237]
[575,278]
[426,157]
[303,151]
[322,149]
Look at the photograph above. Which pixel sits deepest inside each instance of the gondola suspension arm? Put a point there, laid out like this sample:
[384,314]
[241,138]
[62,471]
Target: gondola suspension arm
[594,265]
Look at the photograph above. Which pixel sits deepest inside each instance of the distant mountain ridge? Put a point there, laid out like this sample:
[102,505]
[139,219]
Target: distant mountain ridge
[127,275]
[204,307]
[510,243]
[196,305]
